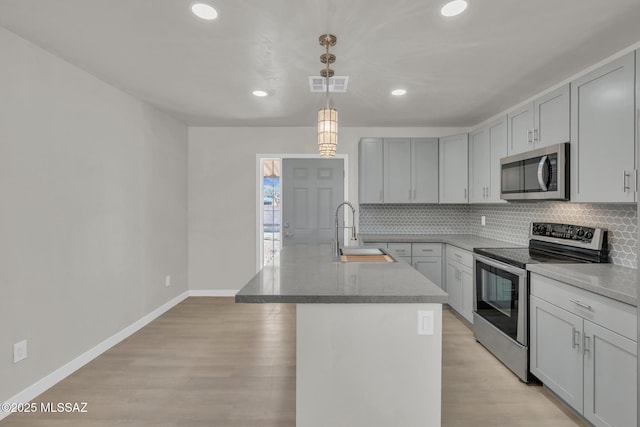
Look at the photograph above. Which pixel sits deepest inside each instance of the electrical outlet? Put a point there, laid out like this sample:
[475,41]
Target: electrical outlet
[483,220]
[167,281]
[425,322]
[19,351]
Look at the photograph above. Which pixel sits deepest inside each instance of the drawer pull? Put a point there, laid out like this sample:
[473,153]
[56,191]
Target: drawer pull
[581,304]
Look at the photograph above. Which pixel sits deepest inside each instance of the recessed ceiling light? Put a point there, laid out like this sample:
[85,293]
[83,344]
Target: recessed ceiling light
[260,93]
[453,8]
[204,11]
[398,92]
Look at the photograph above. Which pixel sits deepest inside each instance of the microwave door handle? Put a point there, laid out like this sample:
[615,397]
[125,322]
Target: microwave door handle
[541,165]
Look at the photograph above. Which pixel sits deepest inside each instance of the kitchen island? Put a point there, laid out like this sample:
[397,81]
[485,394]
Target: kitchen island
[369,338]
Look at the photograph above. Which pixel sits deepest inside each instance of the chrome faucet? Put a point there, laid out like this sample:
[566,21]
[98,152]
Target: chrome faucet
[354,234]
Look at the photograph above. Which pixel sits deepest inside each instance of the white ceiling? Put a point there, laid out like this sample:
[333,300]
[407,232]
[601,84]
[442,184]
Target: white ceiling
[458,71]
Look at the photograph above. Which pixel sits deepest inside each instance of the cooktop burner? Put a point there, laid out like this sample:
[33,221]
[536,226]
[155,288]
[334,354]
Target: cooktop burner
[521,256]
[555,243]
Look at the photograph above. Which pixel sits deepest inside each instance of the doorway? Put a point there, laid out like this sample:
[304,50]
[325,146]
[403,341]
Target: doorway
[313,187]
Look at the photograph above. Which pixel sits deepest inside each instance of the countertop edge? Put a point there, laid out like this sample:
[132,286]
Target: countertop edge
[340,299]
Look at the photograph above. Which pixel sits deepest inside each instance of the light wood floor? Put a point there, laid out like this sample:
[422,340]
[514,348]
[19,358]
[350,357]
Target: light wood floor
[210,362]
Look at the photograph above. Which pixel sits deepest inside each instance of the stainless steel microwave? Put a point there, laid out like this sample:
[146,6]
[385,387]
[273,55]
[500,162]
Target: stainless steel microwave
[541,174]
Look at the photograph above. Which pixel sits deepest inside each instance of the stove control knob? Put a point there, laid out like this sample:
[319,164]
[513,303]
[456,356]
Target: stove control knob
[580,232]
[541,229]
[589,235]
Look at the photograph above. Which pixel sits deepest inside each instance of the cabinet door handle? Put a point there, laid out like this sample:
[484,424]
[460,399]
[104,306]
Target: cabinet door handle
[625,175]
[529,137]
[581,304]
[409,194]
[414,194]
[575,343]
[465,194]
[535,135]
[585,345]
[427,262]
[426,250]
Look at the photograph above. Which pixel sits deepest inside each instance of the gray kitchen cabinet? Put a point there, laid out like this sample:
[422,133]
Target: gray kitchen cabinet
[410,170]
[398,170]
[545,121]
[424,170]
[556,353]
[603,134]
[609,394]
[479,163]
[486,147]
[498,149]
[454,170]
[459,280]
[402,250]
[424,257]
[427,259]
[582,348]
[430,267]
[370,168]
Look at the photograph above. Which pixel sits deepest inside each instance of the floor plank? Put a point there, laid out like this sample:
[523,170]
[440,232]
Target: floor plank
[210,362]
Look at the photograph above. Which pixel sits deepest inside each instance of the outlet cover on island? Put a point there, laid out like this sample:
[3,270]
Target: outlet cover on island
[19,351]
[483,220]
[167,281]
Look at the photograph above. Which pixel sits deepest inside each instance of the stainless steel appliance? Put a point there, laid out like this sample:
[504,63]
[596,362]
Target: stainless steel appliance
[501,306]
[541,174]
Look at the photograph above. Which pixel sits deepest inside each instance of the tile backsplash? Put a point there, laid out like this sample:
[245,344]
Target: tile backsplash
[508,222]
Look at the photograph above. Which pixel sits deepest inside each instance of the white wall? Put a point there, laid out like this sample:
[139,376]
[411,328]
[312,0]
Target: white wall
[93,196]
[222,192]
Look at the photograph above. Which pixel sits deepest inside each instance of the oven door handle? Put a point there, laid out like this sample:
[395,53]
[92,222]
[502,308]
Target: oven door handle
[508,268]
[541,166]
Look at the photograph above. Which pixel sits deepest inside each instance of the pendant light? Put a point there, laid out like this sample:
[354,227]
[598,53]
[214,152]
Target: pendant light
[327,116]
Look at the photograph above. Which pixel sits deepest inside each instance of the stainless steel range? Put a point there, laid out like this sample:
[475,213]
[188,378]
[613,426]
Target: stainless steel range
[501,306]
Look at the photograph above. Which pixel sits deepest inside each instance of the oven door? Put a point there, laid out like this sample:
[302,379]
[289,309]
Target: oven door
[501,297]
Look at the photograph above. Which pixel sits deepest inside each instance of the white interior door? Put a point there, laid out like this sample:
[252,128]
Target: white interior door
[311,190]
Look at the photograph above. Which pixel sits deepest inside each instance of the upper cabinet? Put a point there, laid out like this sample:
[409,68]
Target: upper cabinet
[487,146]
[398,170]
[454,170]
[370,179]
[545,121]
[424,170]
[603,134]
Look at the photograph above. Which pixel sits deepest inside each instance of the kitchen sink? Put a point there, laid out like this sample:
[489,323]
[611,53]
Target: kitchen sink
[361,251]
[364,255]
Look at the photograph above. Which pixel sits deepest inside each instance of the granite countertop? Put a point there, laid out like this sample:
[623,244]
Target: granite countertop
[308,274]
[464,241]
[609,280]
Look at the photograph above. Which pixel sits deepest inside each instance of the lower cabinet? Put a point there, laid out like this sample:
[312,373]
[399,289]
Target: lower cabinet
[424,257]
[577,352]
[430,267]
[427,259]
[459,281]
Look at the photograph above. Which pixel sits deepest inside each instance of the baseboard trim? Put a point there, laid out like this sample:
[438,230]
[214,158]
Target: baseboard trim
[61,373]
[213,292]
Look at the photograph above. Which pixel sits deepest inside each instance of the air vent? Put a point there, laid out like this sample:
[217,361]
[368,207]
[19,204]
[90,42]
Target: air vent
[336,83]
